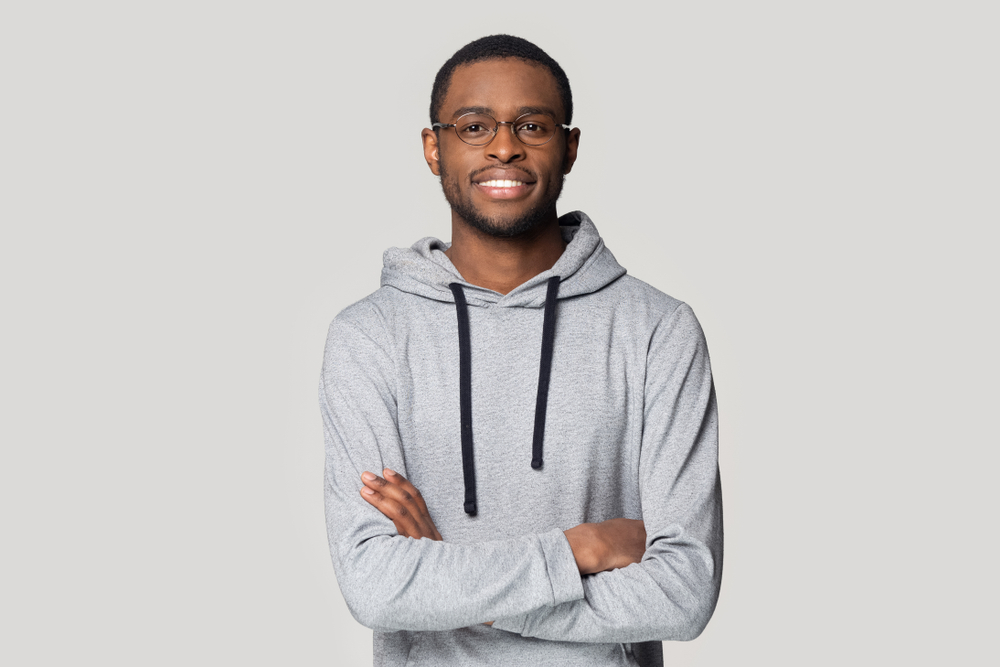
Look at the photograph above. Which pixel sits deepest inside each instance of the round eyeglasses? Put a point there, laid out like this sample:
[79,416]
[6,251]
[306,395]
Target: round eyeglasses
[479,129]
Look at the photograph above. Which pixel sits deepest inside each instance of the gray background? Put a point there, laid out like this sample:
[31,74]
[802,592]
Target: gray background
[190,191]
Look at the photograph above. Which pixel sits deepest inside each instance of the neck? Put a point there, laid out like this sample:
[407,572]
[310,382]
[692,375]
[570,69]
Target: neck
[501,264]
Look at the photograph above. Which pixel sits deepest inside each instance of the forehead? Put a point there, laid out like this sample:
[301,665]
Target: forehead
[504,86]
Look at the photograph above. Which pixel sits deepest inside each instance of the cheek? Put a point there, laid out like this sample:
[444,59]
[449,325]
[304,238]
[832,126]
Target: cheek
[557,168]
[449,165]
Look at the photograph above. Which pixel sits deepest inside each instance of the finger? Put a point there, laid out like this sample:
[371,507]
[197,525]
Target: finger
[416,521]
[406,524]
[407,487]
[372,481]
[391,510]
[387,490]
[401,515]
[380,484]
[412,497]
[392,487]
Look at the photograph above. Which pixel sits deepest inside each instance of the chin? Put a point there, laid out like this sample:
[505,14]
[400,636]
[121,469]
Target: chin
[504,226]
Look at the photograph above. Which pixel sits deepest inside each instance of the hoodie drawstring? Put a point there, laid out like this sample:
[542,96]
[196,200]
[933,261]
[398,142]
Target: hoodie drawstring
[465,384]
[544,371]
[465,395]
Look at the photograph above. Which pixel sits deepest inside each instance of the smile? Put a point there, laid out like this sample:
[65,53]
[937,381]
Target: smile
[501,188]
[501,184]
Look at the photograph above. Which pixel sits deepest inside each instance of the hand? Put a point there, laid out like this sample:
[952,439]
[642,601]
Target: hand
[608,545]
[401,502]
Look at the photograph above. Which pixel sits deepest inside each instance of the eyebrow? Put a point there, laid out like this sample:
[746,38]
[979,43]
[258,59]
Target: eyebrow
[526,110]
[521,111]
[464,110]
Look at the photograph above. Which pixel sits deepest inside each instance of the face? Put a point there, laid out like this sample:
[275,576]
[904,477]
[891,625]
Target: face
[473,176]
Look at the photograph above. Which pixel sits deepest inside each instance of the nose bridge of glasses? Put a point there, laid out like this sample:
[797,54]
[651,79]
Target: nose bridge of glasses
[512,124]
[513,132]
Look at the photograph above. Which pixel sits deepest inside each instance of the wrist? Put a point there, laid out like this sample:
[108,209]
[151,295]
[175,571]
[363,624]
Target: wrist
[585,541]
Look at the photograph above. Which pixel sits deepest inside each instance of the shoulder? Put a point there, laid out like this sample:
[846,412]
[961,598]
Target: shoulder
[364,322]
[641,297]
[666,320]
[367,311]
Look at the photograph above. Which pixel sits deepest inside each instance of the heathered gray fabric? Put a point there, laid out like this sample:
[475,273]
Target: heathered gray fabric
[631,432]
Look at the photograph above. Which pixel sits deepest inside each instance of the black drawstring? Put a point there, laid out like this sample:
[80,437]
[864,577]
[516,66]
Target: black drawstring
[465,395]
[465,384]
[544,371]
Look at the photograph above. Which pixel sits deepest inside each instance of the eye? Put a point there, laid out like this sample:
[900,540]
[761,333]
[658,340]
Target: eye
[534,126]
[475,127]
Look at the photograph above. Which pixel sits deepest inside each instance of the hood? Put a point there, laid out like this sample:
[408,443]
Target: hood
[584,267]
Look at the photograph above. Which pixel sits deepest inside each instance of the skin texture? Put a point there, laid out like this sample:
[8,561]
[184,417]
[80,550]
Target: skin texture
[499,242]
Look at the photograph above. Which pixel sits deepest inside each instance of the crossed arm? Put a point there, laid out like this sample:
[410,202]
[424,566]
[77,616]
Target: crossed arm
[530,585]
[597,547]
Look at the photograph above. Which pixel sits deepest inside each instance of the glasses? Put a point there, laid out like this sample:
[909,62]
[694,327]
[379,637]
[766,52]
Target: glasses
[479,129]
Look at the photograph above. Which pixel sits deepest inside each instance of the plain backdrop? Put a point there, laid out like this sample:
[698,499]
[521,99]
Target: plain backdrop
[190,191]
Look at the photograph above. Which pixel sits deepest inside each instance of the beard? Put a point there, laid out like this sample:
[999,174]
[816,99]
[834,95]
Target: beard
[500,227]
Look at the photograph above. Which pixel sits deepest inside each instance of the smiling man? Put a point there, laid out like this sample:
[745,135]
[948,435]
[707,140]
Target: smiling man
[521,439]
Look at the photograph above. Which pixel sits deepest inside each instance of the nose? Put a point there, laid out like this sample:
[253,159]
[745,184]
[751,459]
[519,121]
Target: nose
[505,147]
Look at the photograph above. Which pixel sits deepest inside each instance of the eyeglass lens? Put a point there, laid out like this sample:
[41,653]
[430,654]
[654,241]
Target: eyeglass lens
[531,129]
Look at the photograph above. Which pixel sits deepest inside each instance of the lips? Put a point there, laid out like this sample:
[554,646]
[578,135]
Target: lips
[503,183]
[497,183]
[492,175]
[505,190]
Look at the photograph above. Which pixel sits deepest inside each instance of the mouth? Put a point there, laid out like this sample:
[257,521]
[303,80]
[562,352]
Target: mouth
[500,184]
[504,188]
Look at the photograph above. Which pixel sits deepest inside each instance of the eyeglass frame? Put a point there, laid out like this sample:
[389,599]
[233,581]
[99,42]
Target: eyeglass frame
[496,129]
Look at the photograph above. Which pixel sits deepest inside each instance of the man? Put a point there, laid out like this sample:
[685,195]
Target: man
[521,439]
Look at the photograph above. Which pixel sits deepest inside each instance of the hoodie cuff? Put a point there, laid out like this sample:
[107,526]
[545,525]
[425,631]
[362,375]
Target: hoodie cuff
[564,576]
[513,624]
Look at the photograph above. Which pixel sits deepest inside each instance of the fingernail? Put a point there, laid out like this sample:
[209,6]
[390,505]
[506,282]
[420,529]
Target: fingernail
[367,476]
[367,491]
[390,472]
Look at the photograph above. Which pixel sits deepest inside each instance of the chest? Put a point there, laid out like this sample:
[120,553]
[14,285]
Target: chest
[593,422]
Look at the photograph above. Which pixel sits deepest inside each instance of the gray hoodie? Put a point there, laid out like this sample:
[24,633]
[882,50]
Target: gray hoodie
[627,429]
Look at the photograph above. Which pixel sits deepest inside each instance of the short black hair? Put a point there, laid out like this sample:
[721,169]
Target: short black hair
[495,47]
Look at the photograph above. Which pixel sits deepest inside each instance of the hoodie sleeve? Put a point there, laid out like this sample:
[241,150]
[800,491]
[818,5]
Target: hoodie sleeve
[392,582]
[672,593]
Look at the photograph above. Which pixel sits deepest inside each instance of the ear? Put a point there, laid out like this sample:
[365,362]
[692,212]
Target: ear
[572,145]
[431,150]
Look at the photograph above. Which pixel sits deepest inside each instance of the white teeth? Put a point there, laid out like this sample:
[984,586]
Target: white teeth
[501,184]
